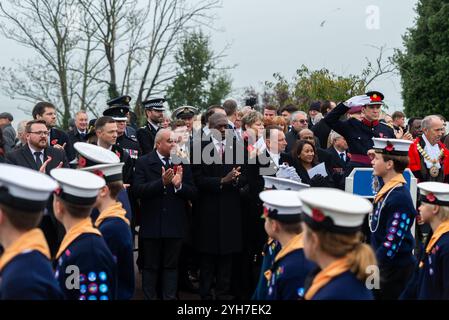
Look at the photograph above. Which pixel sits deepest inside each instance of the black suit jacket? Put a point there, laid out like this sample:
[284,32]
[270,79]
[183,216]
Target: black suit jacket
[60,137]
[338,167]
[74,137]
[164,211]
[24,158]
[217,222]
[145,137]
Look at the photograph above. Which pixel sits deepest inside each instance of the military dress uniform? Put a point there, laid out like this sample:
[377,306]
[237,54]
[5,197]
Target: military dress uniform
[147,133]
[358,134]
[25,267]
[83,245]
[390,225]
[341,213]
[118,109]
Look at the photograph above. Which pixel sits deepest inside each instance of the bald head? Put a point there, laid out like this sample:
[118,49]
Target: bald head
[433,128]
[164,142]
[307,134]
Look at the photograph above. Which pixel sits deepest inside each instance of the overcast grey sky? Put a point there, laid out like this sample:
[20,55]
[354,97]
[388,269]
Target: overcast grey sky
[269,36]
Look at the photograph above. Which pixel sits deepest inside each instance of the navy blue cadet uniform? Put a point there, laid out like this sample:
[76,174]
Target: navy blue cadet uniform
[285,278]
[270,250]
[434,272]
[392,239]
[117,234]
[97,268]
[20,282]
[345,286]
[358,135]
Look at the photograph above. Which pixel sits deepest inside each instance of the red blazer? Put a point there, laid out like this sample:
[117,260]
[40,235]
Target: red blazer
[415,160]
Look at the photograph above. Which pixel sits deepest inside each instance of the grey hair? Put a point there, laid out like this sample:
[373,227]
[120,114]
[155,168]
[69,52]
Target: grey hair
[294,114]
[159,135]
[21,126]
[427,121]
[335,135]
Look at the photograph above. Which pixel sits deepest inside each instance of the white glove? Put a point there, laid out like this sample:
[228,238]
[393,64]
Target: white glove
[288,172]
[357,101]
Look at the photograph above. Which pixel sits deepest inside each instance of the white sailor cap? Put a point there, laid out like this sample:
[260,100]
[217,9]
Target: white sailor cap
[91,155]
[77,187]
[24,189]
[283,184]
[434,193]
[282,205]
[333,210]
[394,147]
[109,172]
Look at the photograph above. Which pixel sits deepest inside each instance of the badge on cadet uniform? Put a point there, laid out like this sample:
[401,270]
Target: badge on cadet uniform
[24,189]
[376,98]
[77,187]
[156,104]
[333,210]
[281,205]
[436,193]
[118,108]
[185,112]
[102,162]
[283,184]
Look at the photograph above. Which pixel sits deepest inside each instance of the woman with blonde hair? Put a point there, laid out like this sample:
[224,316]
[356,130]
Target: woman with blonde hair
[333,240]
[253,129]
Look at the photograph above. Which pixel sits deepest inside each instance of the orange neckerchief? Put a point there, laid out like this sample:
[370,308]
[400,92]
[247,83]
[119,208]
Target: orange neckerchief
[442,229]
[85,226]
[33,240]
[325,276]
[295,243]
[114,211]
[397,180]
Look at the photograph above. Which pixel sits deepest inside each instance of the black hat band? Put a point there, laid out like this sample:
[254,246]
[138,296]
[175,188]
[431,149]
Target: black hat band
[26,205]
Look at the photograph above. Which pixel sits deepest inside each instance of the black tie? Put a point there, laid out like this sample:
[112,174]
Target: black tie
[37,156]
[342,156]
[167,162]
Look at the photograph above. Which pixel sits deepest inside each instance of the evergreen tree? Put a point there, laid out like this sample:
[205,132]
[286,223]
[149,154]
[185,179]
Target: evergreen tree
[424,64]
[198,82]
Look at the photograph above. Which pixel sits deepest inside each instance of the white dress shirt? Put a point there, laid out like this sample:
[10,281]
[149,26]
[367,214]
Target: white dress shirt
[433,152]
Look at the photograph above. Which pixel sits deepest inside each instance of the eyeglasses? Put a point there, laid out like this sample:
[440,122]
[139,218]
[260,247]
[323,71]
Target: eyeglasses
[41,133]
[302,121]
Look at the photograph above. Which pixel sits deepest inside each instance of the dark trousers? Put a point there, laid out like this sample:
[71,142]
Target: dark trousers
[218,267]
[160,258]
[393,281]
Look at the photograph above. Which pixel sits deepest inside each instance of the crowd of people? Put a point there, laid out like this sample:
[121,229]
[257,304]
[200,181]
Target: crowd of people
[230,204]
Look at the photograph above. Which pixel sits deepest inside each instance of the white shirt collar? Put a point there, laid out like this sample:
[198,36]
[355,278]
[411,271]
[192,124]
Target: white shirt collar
[432,151]
[161,157]
[35,150]
[155,126]
[274,156]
